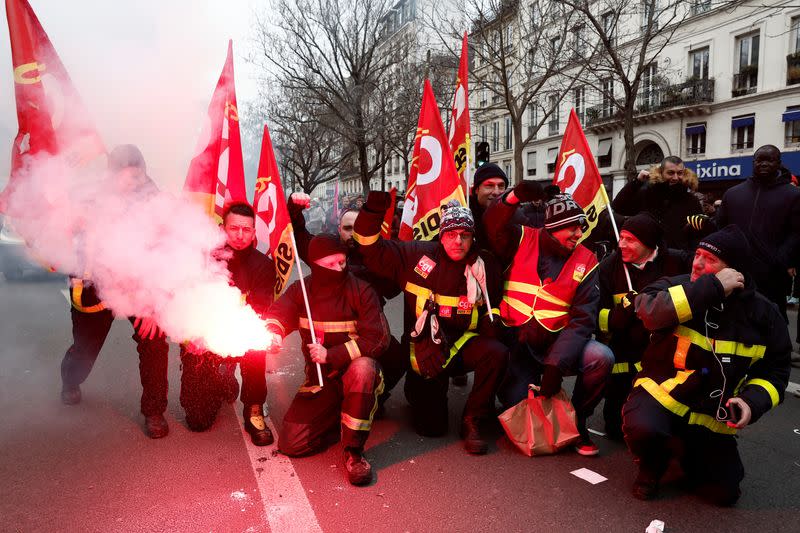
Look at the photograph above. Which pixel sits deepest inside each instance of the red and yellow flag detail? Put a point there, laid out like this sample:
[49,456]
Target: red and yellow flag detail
[459,121]
[273,226]
[216,173]
[52,118]
[386,225]
[433,180]
[576,173]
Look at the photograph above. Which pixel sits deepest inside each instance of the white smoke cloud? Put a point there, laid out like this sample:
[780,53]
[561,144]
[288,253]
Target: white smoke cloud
[148,255]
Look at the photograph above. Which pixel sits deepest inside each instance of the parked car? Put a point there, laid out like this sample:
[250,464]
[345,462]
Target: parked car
[15,263]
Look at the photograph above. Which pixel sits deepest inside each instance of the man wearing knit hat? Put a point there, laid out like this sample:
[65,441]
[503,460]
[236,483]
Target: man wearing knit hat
[645,257]
[351,332]
[718,359]
[447,286]
[551,302]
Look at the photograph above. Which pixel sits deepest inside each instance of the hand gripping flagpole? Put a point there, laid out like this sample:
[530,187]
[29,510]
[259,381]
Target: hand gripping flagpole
[305,299]
[616,233]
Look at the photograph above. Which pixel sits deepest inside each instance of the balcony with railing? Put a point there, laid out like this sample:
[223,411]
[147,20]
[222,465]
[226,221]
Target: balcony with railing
[745,81]
[691,97]
[793,68]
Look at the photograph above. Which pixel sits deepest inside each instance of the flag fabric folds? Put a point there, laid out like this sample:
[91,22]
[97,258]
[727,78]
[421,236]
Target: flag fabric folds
[433,180]
[216,173]
[52,118]
[576,173]
[459,121]
[273,226]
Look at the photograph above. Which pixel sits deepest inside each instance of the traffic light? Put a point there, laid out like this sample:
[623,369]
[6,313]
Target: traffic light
[481,154]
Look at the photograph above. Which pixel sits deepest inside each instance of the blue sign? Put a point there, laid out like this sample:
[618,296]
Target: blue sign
[737,168]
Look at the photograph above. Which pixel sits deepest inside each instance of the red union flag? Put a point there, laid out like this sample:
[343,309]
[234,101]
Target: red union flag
[273,228]
[576,172]
[216,173]
[459,121]
[52,118]
[433,180]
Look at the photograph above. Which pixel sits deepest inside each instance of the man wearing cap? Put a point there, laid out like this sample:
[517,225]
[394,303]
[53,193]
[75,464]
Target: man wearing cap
[91,320]
[551,302]
[351,332]
[447,324]
[718,359]
[644,256]
[207,379]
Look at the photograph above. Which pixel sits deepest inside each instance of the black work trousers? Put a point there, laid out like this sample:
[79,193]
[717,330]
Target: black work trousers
[488,357]
[89,332]
[205,382]
[711,460]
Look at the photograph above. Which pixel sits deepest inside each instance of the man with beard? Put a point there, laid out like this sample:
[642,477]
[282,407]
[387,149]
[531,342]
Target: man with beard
[206,378]
[91,320]
[667,193]
[645,257]
[446,324]
[351,332]
[718,359]
[551,300]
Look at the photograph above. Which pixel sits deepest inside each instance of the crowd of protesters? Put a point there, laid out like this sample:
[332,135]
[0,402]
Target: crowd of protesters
[680,325]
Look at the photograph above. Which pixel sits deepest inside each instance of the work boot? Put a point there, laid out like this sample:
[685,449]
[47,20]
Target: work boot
[646,485]
[359,471]
[255,425]
[474,443]
[70,394]
[155,426]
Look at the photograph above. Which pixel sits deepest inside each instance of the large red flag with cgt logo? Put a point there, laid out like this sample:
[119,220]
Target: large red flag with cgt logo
[273,226]
[216,173]
[433,180]
[459,122]
[52,118]
[576,172]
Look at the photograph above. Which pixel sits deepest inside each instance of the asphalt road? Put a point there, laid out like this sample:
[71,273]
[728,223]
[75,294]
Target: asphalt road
[91,468]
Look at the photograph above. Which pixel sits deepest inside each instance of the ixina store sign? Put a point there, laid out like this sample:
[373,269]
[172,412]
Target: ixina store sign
[732,168]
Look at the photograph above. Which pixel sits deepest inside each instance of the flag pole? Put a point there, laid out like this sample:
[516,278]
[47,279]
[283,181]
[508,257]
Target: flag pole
[308,308]
[616,233]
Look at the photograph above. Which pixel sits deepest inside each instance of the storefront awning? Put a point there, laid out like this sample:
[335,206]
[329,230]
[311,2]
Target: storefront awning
[741,122]
[604,147]
[695,129]
[791,115]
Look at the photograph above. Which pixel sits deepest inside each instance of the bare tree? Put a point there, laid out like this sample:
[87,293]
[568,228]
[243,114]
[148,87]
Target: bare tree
[629,37]
[334,53]
[520,62]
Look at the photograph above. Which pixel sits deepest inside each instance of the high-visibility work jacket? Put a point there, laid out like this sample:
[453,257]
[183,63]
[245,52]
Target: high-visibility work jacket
[77,296]
[526,296]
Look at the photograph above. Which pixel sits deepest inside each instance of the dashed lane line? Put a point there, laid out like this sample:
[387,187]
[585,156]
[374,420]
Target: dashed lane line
[286,506]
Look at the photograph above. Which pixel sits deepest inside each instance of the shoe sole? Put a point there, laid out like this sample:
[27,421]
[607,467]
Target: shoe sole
[587,452]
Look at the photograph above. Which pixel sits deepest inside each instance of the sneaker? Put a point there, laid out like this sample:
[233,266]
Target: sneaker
[255,425]
[585,446]
[474,442]
[156,426]
[359,471]
[645,487]
[791,300]
[70,394]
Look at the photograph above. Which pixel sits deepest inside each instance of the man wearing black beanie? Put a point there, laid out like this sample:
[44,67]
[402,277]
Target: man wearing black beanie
[718,359]
[645,257]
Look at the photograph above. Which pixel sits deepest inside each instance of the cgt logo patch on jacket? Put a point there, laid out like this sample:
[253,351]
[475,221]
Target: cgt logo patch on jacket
[425,266]
[579,272]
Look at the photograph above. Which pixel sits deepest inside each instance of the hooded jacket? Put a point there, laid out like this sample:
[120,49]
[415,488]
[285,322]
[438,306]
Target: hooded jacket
[768,212]
[703,342]
[669,204]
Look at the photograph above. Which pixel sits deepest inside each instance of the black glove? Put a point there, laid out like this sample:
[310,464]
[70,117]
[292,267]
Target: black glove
[295,210]
[378,201]
[529,191]
[623,313]
[697,222]
[551,381]
[430,357]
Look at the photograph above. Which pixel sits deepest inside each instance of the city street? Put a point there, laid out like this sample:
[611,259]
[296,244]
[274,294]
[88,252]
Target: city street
[91,468]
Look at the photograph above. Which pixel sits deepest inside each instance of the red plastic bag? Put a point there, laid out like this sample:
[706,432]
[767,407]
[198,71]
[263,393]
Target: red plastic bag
[539,425]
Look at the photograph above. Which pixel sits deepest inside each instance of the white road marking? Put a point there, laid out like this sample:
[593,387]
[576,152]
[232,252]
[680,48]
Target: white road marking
[65,292]
[793,388]
[285,503]
[589,475]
